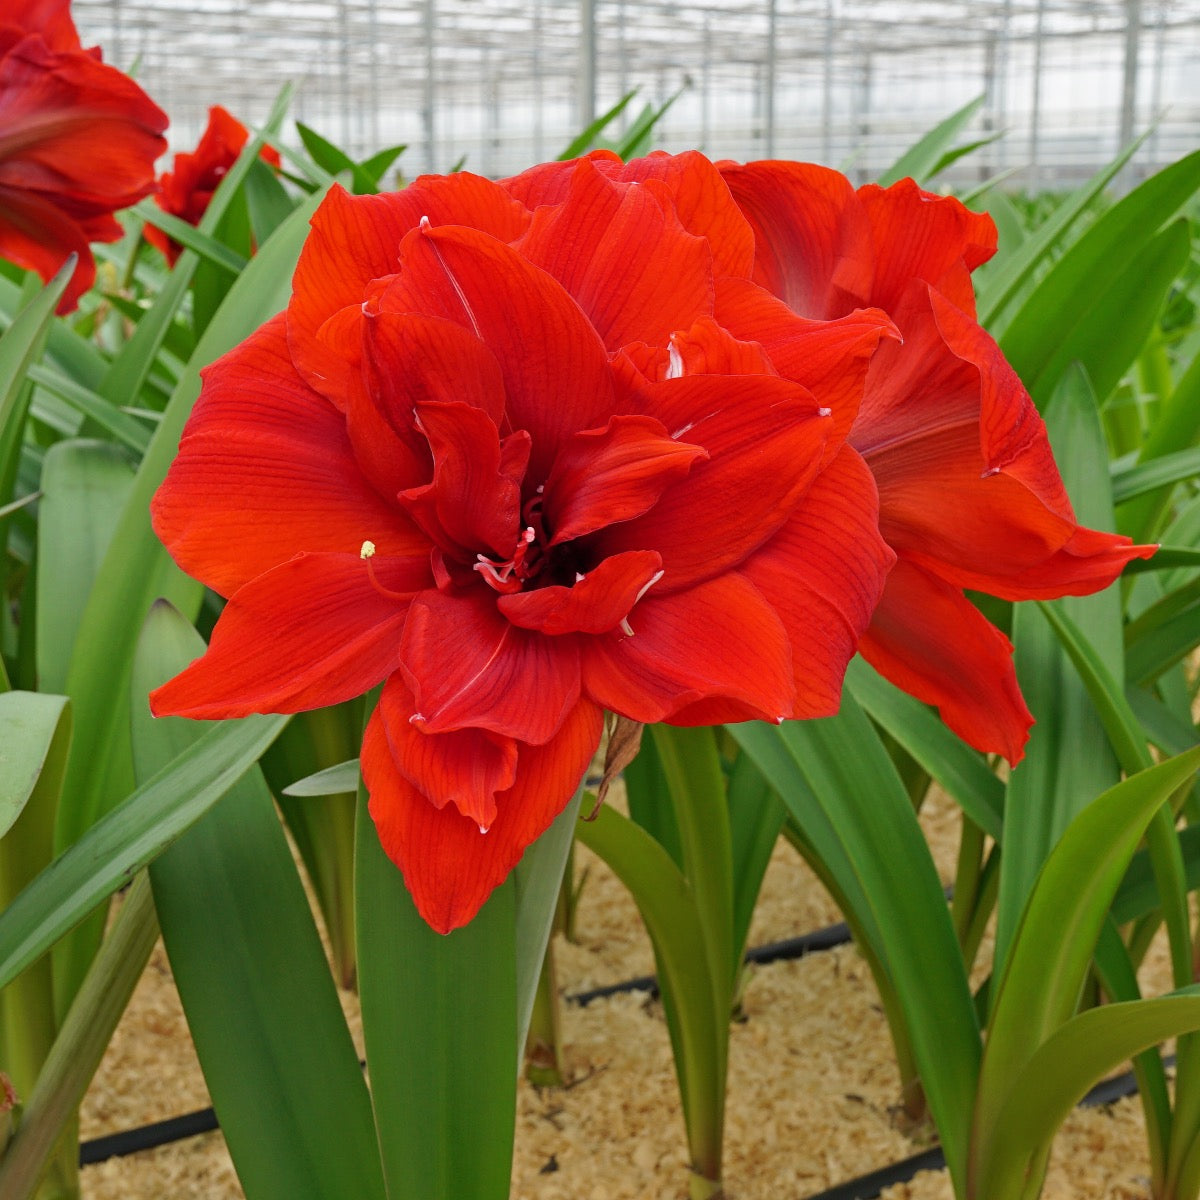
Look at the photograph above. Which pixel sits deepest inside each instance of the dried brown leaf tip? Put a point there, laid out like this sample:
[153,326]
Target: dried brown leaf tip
[624,741]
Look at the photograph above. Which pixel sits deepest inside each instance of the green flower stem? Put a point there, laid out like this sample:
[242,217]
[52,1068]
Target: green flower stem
[668,907]
[80,1045]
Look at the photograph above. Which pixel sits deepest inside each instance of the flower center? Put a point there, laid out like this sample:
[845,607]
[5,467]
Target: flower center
[528,559]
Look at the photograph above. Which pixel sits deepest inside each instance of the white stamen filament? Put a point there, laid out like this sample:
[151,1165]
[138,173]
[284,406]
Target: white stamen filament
[674,362]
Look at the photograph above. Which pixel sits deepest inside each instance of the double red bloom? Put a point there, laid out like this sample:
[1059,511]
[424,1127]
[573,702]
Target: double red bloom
[78,140]
[186,191]
[530,452]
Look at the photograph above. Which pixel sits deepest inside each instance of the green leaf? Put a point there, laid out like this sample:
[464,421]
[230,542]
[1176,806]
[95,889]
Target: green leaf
[920,161]
[1109,325]
[1067,759]
[1057,934]
[585,140]
[330,158]
[1059,1073]
[440,1025]
[960,770]
[131,576]
[756,816]
[35,729]
[1141,478]
[123,842]
[1176,427]
[860,796]
[668,910]
[538,879]
[1063,315]
[232,907]
[85,486]
[93,406]
[188,236]
[377,165]
[267,201]
[123,381]
[333,781]
[1006,278]
[1164,633]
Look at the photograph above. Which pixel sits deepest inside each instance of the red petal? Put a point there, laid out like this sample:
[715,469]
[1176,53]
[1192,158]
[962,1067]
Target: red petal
[928,639]
[598,602]
[555,371]
[468,666]
[603,476]
[765,442]
[312,632]
[550,183]
[356,239]
[812,239]
[599,245]
[718,639]
[703,204]
[919,235]
[829,358]
[265,471]
[967,479]
[466,767]
[471,504]
[78,140]
[709,349]
[823,573]
[449,866]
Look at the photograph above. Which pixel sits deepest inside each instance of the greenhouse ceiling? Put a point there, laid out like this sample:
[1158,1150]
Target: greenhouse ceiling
[501,83]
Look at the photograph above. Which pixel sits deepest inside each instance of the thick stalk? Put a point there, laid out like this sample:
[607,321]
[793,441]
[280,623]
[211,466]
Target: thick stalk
[697,788]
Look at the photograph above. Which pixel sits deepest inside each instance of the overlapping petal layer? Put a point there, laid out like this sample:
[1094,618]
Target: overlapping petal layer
[525,452]
[969,494]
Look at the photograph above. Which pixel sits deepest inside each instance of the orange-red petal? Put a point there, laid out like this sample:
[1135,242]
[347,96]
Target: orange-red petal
[928,639]
[448,865]
[823,572]
[468,666]
[718,639]
[314,631]
[265,471]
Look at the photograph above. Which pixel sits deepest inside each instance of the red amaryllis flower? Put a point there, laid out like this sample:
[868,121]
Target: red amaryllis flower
[78,140]
[186,191]
[970,496]
[430,472]
[969,493]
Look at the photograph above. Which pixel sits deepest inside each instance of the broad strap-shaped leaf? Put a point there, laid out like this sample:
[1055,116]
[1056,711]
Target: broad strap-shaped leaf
[130,577]
[1056,937]
[1074,1057]
[85,485]
[440,1025]
[960,770]
[864,802]
[1061,304]
[129,837]
[232,907]
[35,730]
[923,159]
[1067,761]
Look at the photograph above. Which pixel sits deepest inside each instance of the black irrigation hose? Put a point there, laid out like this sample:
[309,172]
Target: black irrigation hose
[797,947]
[866,1187]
